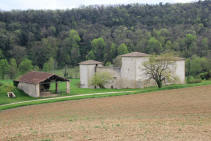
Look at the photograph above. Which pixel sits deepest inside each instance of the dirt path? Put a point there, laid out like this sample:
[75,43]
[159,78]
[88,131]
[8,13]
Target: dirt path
[182,114]
[64,97]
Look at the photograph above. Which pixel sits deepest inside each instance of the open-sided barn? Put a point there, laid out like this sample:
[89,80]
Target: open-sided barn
[36,84]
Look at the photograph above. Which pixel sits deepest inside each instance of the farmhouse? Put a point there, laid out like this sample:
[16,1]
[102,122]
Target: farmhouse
[37,84]
[130,74]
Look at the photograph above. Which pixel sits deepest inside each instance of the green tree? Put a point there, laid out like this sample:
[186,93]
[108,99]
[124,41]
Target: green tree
[40,34]
[91,55]
[75,51]
[70,51]
[25,66]
[110,53]
[36,68]
[203,46]
[154,46]
[51,45]
[13,68]
[39,54]
[190,44]
[197,65]
[117,62]
[168,45]
[122,49]
[4,67]
[49,65]
[1,54]
[98,46]
[18,53]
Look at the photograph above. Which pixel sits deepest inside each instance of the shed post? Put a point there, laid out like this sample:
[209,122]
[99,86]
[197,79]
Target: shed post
[37,87]
[56,87]
[67,87]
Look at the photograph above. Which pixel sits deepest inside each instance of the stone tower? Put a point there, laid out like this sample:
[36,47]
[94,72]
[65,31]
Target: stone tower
[131,71]
[87,71]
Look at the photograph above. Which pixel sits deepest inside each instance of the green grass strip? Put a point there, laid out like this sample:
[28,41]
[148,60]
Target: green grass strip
[97,95]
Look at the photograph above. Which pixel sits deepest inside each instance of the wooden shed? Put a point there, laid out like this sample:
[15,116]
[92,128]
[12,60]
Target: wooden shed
[37,84]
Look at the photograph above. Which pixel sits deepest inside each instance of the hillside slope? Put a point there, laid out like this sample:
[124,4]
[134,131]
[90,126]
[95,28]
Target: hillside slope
[41,35]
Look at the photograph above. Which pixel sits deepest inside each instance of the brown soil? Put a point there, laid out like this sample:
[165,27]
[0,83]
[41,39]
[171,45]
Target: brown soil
[172,115]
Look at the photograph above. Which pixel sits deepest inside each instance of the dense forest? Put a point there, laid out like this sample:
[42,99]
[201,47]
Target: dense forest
[36,39]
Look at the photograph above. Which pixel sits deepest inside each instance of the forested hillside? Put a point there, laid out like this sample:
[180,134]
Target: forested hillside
[34,39]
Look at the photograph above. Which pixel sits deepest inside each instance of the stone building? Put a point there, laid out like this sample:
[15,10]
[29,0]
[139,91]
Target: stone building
[130,74]
[37,84]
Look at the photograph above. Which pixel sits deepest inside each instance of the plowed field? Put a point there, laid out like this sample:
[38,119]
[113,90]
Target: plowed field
[171,115]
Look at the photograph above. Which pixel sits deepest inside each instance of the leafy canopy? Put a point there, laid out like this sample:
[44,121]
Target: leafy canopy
[159,68]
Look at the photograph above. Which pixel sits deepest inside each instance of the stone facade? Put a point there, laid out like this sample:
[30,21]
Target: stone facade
[131,74]
[115,72]
[86,73]
[31,89]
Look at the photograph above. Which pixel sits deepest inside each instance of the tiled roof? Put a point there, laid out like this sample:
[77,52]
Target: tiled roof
[37,77]
[90,62]
[135,54]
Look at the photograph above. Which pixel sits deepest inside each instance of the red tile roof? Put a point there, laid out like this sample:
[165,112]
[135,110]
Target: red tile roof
[37,77]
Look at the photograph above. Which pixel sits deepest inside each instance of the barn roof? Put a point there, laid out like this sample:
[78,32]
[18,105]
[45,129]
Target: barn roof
[135,54]
[90,62]
[37,77]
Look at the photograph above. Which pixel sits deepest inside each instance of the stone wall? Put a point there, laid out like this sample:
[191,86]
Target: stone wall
[30,89]
[130,75]
[133,75]
[115,73]
[86,73]
[180,71]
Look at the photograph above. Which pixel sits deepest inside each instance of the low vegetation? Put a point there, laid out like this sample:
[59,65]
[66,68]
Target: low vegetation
[7,86]
[21,96]
[100,79]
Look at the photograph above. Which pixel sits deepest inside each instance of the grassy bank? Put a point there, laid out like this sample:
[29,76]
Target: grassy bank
[7,86]
[76,91]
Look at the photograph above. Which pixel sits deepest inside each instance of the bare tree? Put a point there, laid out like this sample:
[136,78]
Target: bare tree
[160,68]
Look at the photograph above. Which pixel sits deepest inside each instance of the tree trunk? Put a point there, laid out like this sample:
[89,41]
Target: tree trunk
[159,83]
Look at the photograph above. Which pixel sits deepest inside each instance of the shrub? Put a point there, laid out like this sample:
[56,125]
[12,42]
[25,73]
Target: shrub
[191,80]
[204,75]
[78,84]
[6,88]
[100,79]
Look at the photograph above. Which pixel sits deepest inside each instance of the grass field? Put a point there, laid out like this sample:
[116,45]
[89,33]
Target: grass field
[8,86]
[170,115]
[21,96]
